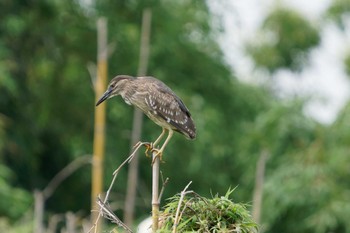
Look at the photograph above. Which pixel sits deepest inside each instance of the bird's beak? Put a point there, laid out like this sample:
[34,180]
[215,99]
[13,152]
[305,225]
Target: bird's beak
[105,96]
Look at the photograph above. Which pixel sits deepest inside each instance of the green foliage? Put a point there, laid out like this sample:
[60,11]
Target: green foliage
[347,65]
[42,62]
[281,129]
[288,38]
[200,214]
[304,172]
[9,194]
[22,199]
[24,225]
[47,104]
[309,191]
[193,67]
[338,11]
[46,92]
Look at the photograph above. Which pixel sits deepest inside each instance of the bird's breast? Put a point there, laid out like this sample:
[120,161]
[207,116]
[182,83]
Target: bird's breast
[126,97]
[127,101]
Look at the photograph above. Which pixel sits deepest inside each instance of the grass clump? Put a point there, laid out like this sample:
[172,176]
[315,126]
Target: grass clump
[195,213]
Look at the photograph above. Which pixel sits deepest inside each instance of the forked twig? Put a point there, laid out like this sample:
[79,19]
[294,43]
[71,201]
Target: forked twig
[108,213]
[164,183]
[115,174]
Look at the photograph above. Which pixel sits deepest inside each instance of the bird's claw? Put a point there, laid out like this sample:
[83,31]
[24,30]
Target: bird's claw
[145,144]
[157,154]
[149,147]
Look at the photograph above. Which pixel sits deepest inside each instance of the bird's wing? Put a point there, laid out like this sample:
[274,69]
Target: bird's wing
[163,102]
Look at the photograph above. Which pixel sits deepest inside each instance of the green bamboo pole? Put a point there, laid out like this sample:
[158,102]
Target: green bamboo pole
[99,129]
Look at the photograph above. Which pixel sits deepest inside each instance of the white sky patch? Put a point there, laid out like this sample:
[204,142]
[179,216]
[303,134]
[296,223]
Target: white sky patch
[310,9]
[324,79]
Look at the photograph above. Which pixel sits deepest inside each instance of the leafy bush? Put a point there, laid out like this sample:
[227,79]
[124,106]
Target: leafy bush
[200,214]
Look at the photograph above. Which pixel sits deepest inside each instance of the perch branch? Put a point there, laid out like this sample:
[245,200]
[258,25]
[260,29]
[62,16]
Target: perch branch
[155,192]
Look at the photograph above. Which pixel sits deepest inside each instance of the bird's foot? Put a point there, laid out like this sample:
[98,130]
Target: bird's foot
[139,144]
[149,147]
[157,154]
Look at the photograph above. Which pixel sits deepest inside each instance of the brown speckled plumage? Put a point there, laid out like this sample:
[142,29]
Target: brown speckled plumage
[156,100]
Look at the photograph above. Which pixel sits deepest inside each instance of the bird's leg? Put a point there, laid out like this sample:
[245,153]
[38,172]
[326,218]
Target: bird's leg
[152,145]
[158,139]
[160,151]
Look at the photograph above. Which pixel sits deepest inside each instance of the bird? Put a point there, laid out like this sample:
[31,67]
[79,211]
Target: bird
[157,101]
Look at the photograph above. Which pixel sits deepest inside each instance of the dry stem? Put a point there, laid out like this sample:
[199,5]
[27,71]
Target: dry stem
[164,183]
[115,174]
[108,213]
[177,215]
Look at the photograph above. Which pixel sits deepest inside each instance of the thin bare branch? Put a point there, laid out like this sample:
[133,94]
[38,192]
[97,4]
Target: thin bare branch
[177,219]
[164,183]
[64,173]
[128,160]
[115,174]
[108,213]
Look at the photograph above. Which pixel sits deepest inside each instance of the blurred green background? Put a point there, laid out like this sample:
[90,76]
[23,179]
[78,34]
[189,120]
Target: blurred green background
[47,110]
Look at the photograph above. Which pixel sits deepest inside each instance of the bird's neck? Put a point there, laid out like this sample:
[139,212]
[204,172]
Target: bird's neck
[127,92]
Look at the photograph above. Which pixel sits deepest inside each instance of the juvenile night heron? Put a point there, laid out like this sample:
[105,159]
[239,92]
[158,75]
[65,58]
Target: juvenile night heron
[157,101]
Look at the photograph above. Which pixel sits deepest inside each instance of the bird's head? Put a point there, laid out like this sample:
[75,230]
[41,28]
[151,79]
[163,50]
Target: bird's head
[115,87]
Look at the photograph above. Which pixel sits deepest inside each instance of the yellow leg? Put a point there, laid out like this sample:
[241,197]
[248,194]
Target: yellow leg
[152,145]
[160,151]
[160,137]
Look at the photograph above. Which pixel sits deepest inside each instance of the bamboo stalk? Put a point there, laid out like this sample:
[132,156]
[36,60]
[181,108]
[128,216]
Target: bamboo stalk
[99,130]
[155,192]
